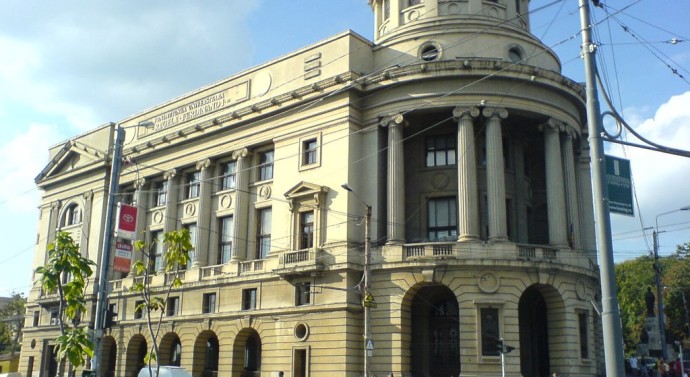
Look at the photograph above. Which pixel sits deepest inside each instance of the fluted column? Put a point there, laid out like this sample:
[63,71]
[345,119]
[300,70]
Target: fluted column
[141,202]
[396,180]
[204,214]
[240,215]
[584,175]
[468,199]
[521,195]
[571,190]
[555,190]
[53,221]
[170,221]
[495,175]
[85,221]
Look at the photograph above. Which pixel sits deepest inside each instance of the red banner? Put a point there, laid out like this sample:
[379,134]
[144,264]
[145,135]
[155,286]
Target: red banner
[123,257]
[126,226]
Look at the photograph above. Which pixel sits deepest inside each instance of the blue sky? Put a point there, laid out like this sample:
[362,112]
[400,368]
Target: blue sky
[70,66]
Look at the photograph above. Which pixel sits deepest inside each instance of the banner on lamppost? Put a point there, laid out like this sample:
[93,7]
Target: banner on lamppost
[619,186]
[126,226]
[123,256]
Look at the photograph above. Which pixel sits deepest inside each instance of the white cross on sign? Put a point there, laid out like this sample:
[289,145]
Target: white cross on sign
[370,344]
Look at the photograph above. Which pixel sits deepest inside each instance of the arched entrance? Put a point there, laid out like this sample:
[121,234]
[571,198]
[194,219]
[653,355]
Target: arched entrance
[206,349]
[435,332]
[109,353]
[170,350]
[136,351]
[541,318]
[247,354]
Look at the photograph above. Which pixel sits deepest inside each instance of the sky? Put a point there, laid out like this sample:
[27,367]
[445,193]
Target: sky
[70,66]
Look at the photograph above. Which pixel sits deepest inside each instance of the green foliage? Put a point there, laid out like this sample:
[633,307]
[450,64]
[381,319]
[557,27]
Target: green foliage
[68,272]
[12,322]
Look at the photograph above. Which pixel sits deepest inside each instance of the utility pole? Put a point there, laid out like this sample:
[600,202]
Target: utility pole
[659,301]
[115,168]
[610,316]
[366,293]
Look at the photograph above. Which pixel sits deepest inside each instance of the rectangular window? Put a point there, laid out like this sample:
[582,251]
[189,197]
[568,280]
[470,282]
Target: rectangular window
[263,233]
[54,320]
[191,228]
[226,235]
[266,165]
[172,306]
[229,175]
[30,367]
[302,294]
[160,193]
[442,221]
[584,339]
[440,150]
[299,363]
[139,309]
[209,304]
[249,299]
[490,332]
[193,185]
[156,257]
[306,226]
[37,315]
[309,152]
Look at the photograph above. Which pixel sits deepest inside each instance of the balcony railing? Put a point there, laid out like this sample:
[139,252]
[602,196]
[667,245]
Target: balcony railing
[430,250]
[251,266]
[210,271]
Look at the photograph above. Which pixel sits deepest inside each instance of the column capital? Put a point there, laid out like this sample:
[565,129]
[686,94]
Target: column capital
[203,164]
[552,124]
[240,153]
[139,183]
[460,112]
[88,195]
[392,120]
[495,112]
[55,205]
[170,174]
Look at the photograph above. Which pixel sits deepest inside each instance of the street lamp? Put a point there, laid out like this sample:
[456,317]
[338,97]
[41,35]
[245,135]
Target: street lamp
[657,276]
[368,344]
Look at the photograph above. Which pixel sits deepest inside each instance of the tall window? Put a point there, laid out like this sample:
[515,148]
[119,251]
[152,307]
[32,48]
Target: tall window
[160,193]
[490,331]
[386,9]
[156,256]
[226,236]
[309,152]
[229,175]
[176,353]
[71,216]
[191,228]
[172,306]
[209,303]
[302,294]
[440,150]
[584,339]
[266,165]
[263,233]
[139,309]
[306,226]
[249,299]
[442,221]
[193,185]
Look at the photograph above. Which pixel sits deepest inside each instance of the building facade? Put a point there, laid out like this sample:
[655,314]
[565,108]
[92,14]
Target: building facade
[454,125]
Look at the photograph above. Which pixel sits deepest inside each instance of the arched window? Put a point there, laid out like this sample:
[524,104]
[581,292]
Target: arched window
[71,215]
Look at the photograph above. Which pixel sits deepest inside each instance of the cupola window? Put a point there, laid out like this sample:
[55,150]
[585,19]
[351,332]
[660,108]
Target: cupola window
[429,52]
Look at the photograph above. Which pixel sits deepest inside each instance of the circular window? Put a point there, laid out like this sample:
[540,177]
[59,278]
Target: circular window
[429,52]
[515,54]
[301,331]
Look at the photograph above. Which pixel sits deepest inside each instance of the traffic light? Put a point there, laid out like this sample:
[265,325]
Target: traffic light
[502,348]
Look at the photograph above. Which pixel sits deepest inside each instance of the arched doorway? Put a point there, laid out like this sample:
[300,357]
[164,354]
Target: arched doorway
[136,351]
[170,350]
[435,332]
[206,350]
[109,353]
[247,354]
[541,317]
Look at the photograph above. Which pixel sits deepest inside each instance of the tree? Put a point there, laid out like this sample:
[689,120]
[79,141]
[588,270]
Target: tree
[177,245]
[632,278]
[68,272]
[12,322]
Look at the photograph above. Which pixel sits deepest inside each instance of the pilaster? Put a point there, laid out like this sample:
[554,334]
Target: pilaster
[170,221]
[241,213]
[203,213]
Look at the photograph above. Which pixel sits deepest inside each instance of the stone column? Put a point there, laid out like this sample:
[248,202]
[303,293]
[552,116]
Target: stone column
[53,221]
[203,221]
[521,193]
[141,201]
[495,174]
[468,199]
[396,179]
[571,190]
[170,220]
[555,189]
[584,175]
[240,216]
[85,221]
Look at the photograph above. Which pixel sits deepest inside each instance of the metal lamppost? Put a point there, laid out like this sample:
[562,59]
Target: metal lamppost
[657,276]
[368,350]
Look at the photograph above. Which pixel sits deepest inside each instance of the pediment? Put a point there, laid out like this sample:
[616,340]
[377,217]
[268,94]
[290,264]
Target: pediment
[73,156]
[303,189]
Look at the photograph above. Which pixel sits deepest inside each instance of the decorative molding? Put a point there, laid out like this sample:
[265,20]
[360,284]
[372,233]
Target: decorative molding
[240,153]
[459,112]
[495,112]
[203,164]
[170,174]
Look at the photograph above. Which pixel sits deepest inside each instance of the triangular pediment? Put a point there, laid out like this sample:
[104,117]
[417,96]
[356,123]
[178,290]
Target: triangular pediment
[305,189]
[73,156]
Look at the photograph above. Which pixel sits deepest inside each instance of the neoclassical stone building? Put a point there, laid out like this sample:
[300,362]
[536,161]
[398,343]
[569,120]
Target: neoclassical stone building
[458,129]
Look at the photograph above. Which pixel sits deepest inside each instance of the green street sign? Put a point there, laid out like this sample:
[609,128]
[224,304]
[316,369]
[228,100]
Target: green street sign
[619,186]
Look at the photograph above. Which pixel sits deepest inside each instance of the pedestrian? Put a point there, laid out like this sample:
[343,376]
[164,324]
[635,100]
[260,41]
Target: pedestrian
[633,366]
[644,372]
[661,368]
